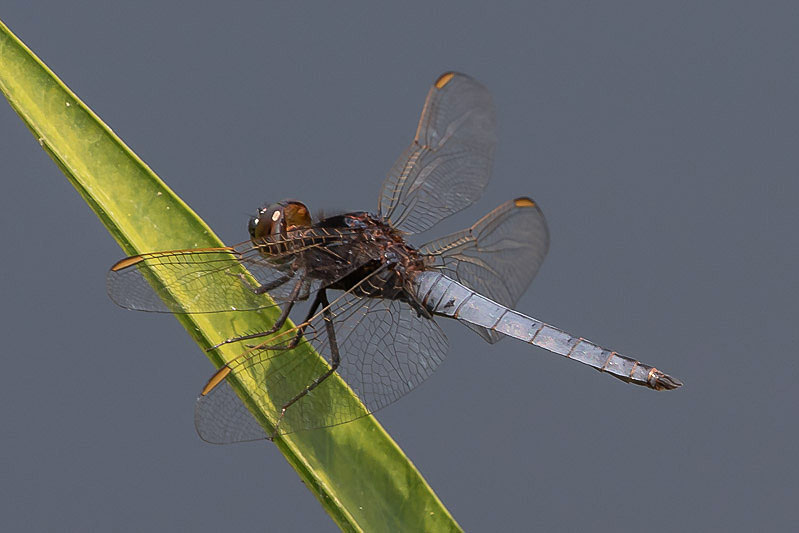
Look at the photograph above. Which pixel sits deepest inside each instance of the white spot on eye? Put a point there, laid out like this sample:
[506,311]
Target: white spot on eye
[275,216]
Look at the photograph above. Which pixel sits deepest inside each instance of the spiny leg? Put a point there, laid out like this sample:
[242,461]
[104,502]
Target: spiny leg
[223,371]
[300,329]
[335,359]
[266,287]
[284,314]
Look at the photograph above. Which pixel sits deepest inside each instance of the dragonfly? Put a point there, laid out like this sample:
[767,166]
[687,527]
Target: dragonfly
[373,298]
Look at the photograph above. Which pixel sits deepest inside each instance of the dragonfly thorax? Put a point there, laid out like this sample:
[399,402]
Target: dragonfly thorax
[383,258]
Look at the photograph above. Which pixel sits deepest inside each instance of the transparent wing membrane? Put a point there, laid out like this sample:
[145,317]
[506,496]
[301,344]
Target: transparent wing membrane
[214,280]
[222,418]
[384,350]
[448,164]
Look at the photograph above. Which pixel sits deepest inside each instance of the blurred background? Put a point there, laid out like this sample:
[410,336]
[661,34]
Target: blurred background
[660,140]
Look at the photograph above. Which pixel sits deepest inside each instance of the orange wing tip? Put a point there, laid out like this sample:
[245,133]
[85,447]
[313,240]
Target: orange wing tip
[135,259]
[524,202]
[215,380]
[125,263]
[444,79]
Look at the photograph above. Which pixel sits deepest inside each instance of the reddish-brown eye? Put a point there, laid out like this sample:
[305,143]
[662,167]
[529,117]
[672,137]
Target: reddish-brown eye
[295,215]
[277,219]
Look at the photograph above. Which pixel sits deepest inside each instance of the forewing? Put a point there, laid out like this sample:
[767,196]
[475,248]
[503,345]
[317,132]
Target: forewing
[215,279]
[448,164]
[498,256]
[386,349]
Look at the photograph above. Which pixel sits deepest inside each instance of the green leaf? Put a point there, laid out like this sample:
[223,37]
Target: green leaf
[356,471]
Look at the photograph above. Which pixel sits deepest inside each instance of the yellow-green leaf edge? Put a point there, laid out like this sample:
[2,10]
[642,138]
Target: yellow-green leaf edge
[356,470]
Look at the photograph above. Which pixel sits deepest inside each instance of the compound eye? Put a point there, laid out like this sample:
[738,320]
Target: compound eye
[278,219]
[269,222]
[296,215]
[251,227]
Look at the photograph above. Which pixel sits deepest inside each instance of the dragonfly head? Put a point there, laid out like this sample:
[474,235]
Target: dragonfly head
[277,219]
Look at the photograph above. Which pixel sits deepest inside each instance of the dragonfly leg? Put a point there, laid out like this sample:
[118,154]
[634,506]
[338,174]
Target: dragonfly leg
[295,291]
[222,373]
[335,359]
[300,329]
[266,287]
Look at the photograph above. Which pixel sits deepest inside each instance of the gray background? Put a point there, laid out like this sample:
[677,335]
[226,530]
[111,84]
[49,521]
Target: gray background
[660,140]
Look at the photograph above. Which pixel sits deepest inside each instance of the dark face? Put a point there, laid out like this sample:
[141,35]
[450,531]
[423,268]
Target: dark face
[277,219]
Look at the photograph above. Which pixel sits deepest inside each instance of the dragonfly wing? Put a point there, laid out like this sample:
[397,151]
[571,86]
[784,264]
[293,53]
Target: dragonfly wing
[212,280]
[220,417]
[185,281]
[498,256]
[448,164]
[385,350]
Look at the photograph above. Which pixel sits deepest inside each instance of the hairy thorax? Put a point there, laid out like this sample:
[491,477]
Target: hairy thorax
[361,253]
